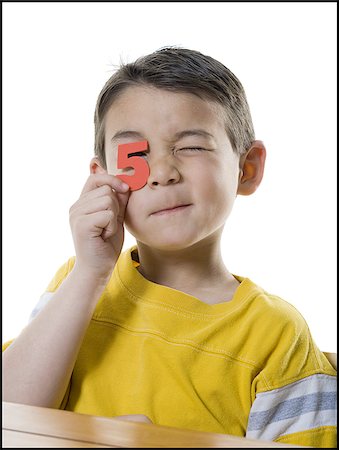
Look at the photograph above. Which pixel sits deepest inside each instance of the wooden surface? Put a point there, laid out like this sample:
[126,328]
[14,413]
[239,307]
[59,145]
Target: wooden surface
[31,426]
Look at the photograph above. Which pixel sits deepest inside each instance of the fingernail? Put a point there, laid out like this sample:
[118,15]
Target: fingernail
[124,186]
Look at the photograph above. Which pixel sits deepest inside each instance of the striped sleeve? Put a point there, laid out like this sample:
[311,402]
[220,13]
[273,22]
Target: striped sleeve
[299,409]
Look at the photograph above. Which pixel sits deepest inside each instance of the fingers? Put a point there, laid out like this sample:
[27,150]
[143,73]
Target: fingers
[100,179]
[96,221]
[100,208]
[101,223]
[99,199]
[101,185]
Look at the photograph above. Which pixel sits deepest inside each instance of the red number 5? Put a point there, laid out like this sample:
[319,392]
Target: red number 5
[140,166]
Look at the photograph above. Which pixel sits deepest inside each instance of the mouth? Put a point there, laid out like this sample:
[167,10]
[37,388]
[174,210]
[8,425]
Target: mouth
[173,210]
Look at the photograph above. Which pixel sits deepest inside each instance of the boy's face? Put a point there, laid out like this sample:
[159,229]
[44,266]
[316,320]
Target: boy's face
[191,163]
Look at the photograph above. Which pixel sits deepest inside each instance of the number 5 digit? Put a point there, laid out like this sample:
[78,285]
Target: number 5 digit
[140,166]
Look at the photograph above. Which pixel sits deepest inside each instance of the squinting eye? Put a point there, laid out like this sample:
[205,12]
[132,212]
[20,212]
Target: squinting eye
[193,149]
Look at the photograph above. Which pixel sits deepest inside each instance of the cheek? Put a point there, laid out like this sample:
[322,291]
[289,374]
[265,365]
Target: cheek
[217,190]
[136,203]
[213,179]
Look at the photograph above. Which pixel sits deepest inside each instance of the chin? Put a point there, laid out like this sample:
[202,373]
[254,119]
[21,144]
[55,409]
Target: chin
[168,243]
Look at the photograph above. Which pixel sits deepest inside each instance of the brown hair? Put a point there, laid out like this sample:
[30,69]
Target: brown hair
[181,70]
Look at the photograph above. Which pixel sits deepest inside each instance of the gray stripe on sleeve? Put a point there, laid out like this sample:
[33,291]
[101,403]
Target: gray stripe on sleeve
[303,405]
[309,421]
[292,408]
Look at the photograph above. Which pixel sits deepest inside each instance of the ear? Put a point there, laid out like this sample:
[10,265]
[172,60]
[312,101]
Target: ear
[96,166]
[251,167]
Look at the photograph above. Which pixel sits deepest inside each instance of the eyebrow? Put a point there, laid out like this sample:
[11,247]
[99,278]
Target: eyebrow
[179,135]
[126,134]
[195,132]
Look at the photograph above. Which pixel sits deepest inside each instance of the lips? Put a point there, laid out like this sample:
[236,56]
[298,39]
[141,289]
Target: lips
[169,209]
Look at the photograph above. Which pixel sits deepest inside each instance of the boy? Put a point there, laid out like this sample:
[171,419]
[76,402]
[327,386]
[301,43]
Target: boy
[164,330]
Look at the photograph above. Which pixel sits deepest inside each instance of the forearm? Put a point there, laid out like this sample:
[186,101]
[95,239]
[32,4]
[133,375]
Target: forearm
[38,365]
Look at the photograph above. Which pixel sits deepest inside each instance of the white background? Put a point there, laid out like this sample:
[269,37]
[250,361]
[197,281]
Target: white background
[56,58]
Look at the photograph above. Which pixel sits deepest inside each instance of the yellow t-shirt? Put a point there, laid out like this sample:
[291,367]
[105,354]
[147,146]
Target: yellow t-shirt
[247,367]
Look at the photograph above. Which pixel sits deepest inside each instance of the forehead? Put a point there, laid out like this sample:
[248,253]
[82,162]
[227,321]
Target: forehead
[150,109]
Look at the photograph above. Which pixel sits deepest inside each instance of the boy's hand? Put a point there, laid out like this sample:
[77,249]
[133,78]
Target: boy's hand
[96,221]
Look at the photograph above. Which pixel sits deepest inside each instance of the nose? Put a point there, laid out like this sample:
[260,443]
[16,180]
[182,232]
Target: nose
[163,171]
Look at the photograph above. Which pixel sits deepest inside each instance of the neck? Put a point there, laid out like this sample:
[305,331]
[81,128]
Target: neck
[200,265]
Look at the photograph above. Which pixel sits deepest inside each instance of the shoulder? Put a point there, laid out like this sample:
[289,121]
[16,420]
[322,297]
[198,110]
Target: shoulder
[270,312]
[280,341]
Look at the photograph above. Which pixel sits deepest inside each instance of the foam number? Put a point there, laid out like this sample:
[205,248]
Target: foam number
[139,164]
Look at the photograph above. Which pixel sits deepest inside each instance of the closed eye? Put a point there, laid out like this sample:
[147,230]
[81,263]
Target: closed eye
[192,149]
